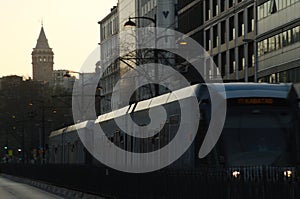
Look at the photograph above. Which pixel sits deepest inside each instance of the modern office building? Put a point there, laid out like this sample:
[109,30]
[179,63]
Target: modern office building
[190,19]
[226,26]
[190,23]
[226,29]
[279,41]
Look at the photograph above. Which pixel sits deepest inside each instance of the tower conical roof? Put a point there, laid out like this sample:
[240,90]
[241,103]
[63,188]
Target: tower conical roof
[42,42]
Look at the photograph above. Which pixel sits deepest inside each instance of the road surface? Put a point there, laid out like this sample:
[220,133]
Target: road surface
[14,190]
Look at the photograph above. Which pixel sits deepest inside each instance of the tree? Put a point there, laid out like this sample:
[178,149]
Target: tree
[29,112]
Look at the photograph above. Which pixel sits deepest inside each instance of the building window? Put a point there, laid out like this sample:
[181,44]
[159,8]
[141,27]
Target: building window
[241,28]
[284,39]
[279,4]
[232,60]
[231,29]
[250,19]
[279,41]
[266,46]
[215,8]
[241,58]
[267,8]
[215,34]
[146,8]
[289,34]
[230,3]
[271,44]
[223,64]
[251,54]
[223,4]
[208,41]
[215,73]
[273,6]
[296,34]
[234,66]
[207,10]
[223,32]
[272,78]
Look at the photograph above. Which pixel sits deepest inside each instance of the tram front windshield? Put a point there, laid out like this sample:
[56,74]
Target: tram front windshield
[257,135]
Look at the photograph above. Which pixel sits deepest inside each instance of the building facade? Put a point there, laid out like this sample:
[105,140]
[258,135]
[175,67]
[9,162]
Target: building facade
[108,68]
[279,41]
[8,81]
[190,19]
[163,14]
[42,59]
[226,29]
[59,81]
[226,26]
[248,40]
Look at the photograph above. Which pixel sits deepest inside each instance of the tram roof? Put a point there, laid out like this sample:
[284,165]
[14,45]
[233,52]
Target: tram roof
[235,90]
[71,128]
[149,103]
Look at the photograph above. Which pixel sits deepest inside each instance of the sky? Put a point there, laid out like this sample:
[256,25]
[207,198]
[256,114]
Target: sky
[70,26]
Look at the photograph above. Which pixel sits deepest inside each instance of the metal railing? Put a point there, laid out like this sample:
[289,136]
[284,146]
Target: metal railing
[234,183]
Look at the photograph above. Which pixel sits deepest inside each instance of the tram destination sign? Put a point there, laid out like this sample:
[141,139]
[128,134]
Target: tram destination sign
[257,101]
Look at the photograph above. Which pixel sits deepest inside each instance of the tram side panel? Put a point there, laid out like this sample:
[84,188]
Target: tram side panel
[66,148]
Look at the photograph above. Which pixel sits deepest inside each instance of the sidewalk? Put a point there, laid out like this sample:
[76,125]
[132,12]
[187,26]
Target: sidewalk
[63,192]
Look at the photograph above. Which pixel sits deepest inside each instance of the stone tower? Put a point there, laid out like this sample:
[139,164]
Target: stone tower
[42,59]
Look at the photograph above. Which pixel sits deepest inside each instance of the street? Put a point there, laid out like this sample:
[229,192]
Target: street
[11,190]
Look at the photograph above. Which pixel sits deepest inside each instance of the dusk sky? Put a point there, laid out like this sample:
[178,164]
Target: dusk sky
[70,26]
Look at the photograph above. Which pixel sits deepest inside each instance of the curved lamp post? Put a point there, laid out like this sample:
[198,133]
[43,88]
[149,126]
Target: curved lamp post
[131,23]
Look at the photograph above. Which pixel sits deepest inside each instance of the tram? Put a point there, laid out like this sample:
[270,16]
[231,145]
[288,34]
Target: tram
[261,128]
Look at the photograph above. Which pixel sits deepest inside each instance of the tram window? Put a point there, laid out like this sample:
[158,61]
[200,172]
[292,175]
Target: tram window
[121,138]
[111,139]
[174,119]
[131,143]
[155,138]
[256,135]
[166,133]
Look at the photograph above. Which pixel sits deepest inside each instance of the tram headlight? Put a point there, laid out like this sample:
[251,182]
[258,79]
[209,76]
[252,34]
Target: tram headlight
[288,173]
[236,174]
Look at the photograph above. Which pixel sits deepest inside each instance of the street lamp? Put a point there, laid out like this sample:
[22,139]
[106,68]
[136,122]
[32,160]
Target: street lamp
[98,88]
[67,75]
[22,135]
[130,23]
[42,130]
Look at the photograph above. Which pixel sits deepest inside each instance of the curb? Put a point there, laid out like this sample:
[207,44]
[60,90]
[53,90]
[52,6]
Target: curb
[63,192]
